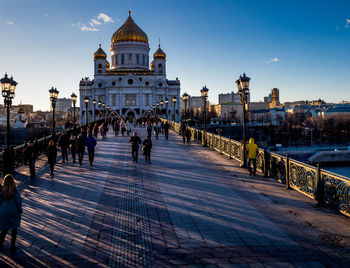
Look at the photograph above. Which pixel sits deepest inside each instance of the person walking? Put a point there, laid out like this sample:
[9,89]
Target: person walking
[129,127]
[149,128]
[183,131]
[90,143]
[30,155]
[188,135]
[123,127]
[135,141]
[252,150]
[10,211]
[51,153]
[80,148]
[63,143]
[73,150]
[116,127]
[95,130]
[146,148]
[156,130]
[166,129]
[105,130]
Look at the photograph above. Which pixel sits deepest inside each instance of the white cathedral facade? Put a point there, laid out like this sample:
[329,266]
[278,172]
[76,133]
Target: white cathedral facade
[129,85]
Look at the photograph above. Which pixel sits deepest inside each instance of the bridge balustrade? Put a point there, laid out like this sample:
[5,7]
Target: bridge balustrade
[316,183]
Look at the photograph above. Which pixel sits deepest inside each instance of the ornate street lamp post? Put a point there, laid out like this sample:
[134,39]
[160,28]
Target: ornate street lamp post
[161,108]
[153,109]
[243,90]
[174,102]
[99,109]
[157,109]
[53,98]
[103,109]
[86,100]
[204,94]
[185,99]
[94,103]
[74,100]
[108,110]
[166,108]
[8,87]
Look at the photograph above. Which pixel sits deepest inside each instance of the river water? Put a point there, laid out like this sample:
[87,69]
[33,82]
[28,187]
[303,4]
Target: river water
[344,171]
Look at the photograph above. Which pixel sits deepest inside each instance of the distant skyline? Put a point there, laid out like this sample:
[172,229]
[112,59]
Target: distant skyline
[300,47]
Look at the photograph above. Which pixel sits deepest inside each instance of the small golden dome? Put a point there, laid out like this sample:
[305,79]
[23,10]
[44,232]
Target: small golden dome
[129,31]
[100,54]
[152,65]
[159,54]
[20,111]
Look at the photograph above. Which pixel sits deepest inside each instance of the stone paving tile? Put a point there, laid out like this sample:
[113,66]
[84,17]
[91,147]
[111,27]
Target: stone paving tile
[183,210]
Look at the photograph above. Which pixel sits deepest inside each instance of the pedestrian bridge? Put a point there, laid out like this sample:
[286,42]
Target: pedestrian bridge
[190,207]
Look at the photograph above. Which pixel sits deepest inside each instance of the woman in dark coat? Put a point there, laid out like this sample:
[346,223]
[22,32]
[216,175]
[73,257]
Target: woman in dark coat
[10,210]
[146,148]
[80,148]
[51,153]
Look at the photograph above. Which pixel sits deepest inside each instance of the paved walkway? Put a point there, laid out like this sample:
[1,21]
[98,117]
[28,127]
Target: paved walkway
[190,207]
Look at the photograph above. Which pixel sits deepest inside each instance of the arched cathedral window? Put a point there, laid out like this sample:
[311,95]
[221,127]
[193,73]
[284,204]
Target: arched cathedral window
[122,58]
[130,59]
[160,68]
[137,59]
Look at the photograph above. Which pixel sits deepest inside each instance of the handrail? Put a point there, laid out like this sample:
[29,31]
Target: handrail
[316,183]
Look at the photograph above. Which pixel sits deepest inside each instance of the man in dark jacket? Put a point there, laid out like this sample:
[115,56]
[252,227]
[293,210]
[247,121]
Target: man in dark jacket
[135,141]
[80,148]
[63,142]
[30,154]
[90,143]
[166,129]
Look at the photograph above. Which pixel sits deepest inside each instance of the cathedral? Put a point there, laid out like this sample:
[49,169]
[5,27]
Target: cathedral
[128,83]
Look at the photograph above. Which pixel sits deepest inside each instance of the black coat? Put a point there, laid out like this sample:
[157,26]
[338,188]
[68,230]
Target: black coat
[135,141]
[80,145]
[30,153]
[147,146]
[51,153]
[63,141]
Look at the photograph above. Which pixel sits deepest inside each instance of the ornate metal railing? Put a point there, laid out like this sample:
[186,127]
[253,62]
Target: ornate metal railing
[336,191]
[302,177]
[316,183]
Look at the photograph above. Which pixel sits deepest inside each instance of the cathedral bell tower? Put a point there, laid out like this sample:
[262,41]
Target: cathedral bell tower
[159,62]
[100,61]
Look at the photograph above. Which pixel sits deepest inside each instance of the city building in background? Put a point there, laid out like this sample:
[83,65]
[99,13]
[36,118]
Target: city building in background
[130,85]
[230,98]
[63,104]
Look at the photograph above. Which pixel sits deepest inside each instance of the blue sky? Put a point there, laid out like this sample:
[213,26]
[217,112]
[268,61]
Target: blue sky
[300,47]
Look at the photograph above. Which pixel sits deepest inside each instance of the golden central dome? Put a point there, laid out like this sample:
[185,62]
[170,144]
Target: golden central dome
[129,31]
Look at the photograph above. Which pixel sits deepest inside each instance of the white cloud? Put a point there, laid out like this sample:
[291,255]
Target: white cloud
[94,23]
[272,60]
[105,18]
[347,24]
[85,28]
[9,22]
[45,15]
